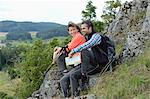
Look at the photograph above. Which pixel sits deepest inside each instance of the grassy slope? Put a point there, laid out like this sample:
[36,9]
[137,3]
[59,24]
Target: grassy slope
[8,86]
[130,80]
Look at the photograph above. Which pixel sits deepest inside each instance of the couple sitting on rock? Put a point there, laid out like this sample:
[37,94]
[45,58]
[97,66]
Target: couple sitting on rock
[88,46]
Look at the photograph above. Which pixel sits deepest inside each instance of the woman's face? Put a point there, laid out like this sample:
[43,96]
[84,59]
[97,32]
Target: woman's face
[72,30]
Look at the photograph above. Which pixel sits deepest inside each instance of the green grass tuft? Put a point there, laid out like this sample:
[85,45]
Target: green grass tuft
[130,80]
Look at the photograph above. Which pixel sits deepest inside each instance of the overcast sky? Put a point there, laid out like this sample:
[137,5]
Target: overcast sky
[59,11]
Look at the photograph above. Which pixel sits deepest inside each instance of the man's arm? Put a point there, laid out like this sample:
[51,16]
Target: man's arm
[95,40]
[76,41]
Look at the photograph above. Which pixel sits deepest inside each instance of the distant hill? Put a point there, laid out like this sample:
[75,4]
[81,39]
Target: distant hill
[11,26]
[44,30]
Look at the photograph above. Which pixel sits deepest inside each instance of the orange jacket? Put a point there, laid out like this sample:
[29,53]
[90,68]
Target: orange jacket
[77,40]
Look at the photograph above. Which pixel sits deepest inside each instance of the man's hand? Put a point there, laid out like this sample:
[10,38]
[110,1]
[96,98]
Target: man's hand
[70,54]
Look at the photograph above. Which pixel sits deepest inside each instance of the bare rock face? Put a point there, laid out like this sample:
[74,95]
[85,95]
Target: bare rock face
[131,27]
[50,86]
[129,18]
[134,44]
[146,23]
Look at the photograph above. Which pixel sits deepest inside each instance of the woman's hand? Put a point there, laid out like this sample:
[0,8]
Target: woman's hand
[57,49]
[57,52]
[70,54]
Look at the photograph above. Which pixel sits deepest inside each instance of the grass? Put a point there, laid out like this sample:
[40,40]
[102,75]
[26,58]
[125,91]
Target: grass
[130,80]
[7,85]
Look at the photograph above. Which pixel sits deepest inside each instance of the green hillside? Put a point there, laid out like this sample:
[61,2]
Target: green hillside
[130,80]
[12,26]
[21,30]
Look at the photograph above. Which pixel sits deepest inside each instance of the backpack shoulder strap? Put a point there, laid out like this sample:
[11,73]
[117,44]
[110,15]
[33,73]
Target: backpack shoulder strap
[101,50]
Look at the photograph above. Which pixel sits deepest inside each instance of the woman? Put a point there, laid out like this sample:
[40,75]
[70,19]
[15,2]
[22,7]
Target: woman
[77,40]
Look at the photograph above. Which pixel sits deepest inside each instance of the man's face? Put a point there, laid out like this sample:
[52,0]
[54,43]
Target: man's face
[85,29]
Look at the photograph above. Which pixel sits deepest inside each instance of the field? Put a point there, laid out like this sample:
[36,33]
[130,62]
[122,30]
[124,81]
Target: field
[33,34]
[3,35]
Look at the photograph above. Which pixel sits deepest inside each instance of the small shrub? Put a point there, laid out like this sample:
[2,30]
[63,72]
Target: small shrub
[12,73]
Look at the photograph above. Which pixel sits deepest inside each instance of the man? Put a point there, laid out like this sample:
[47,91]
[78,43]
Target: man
[91,55]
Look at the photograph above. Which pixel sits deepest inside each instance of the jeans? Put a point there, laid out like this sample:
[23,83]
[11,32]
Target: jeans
[61,62]
[72,77]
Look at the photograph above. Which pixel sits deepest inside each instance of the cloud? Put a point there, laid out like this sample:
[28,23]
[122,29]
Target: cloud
[41,10]
[59,11]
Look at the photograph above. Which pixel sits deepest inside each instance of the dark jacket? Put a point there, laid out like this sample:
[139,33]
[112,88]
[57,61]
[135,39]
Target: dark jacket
[100,57]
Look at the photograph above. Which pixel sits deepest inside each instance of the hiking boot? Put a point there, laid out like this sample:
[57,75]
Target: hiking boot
[84,78]
[84,82]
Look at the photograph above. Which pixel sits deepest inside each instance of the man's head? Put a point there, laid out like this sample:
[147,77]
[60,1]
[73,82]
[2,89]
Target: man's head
[87,27]
[73,28]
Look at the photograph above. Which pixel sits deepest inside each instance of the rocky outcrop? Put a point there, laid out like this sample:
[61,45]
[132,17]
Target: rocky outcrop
[146,23]
[131,27]
[134,44]
[50,86]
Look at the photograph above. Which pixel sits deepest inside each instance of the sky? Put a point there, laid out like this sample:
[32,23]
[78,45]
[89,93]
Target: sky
[58,11]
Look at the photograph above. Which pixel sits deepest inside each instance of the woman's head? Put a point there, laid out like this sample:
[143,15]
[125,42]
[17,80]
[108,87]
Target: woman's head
[73,28]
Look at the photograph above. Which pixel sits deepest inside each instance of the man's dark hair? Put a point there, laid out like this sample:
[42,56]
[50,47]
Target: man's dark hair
[89,24]
[71,24]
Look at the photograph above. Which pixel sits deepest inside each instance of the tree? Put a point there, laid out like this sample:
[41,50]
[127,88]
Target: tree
[18,36]
[36,60]
[89,13]
[2,60]
[98,26]
[110,11]
[61,31]
[11,54]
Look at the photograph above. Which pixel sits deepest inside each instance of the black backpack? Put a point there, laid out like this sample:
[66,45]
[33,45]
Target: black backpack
[110,46]
[111,53]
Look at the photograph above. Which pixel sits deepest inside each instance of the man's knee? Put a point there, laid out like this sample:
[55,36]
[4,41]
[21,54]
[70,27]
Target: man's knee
[85,52]
[63,79]
[72,75]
